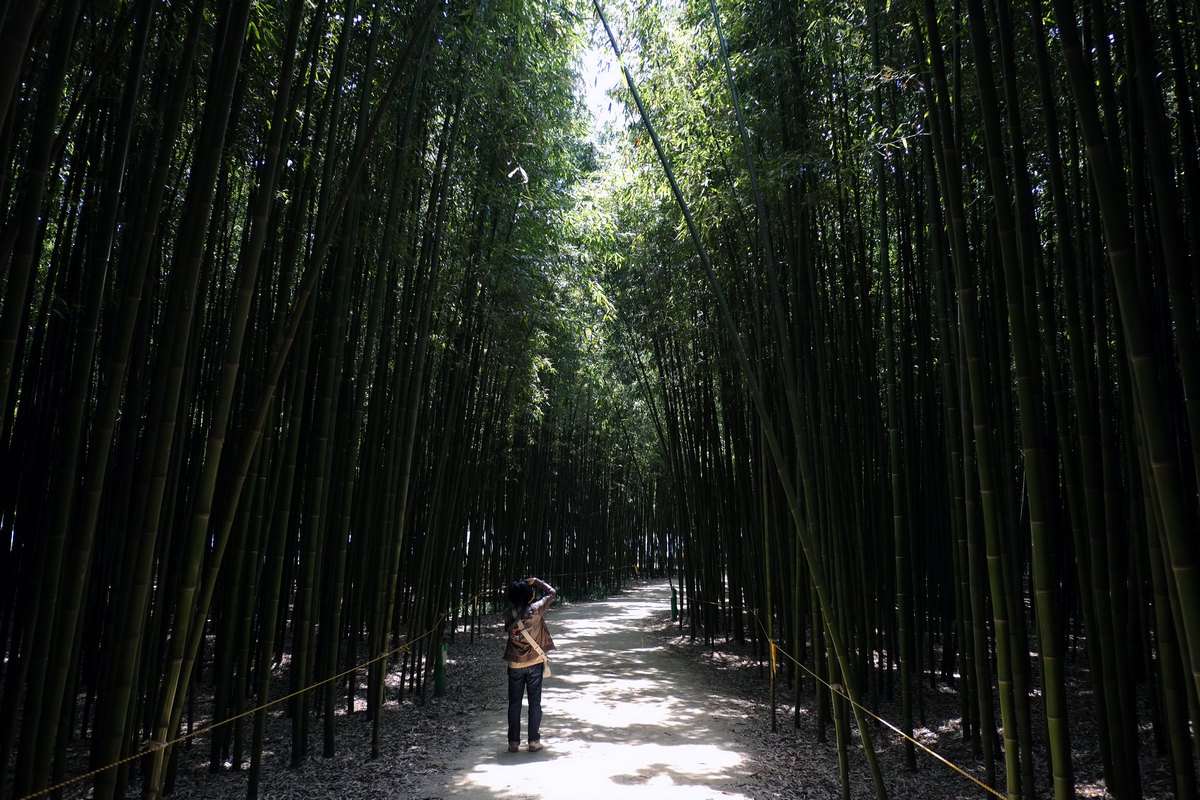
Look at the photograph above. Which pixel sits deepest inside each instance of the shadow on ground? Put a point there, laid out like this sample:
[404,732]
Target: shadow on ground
[622,720]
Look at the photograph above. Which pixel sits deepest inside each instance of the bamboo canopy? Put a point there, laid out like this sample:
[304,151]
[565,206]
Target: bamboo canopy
[870,326]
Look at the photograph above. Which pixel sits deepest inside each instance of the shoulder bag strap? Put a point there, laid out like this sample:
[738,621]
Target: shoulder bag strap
[528,638]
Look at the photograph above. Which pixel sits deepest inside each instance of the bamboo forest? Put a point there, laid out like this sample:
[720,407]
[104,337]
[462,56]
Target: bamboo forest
[869,325]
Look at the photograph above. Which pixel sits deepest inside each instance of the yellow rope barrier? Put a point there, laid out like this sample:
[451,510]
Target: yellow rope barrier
[842,691]
[150,746]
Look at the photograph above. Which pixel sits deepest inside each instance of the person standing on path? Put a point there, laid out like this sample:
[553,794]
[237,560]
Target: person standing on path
[526,662]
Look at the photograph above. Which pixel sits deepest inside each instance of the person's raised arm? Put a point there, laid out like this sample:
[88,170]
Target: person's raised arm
[548,590]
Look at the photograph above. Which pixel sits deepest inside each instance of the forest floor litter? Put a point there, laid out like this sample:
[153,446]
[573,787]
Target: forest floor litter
[634,710]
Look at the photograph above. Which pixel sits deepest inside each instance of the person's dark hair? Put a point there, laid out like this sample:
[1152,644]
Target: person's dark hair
[520,594]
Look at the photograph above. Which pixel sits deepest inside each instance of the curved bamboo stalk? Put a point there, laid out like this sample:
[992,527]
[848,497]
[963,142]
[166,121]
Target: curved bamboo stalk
[782,466]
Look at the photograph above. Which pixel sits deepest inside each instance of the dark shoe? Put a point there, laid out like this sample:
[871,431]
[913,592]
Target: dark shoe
[512,748]
[535,746]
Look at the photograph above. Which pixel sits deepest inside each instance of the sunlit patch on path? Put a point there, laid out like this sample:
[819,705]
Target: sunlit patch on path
[622,720]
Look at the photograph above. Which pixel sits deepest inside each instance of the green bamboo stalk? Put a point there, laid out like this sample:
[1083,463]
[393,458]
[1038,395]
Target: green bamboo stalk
[112,741]
[1168,204]
[283,344]
[190,255]
[1029,393]
[975,388]
[1143,364]
[781,463]
[51,670]
[1172,683]
[33,192]
[900,533]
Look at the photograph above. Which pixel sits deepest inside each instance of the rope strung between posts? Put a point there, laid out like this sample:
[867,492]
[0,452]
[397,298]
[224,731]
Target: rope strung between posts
[840,690]
[149,746]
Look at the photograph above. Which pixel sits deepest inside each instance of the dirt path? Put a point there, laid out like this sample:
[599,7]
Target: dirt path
[623,718]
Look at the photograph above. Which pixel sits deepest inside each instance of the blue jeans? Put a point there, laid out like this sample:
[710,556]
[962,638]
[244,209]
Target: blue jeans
[519,681]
